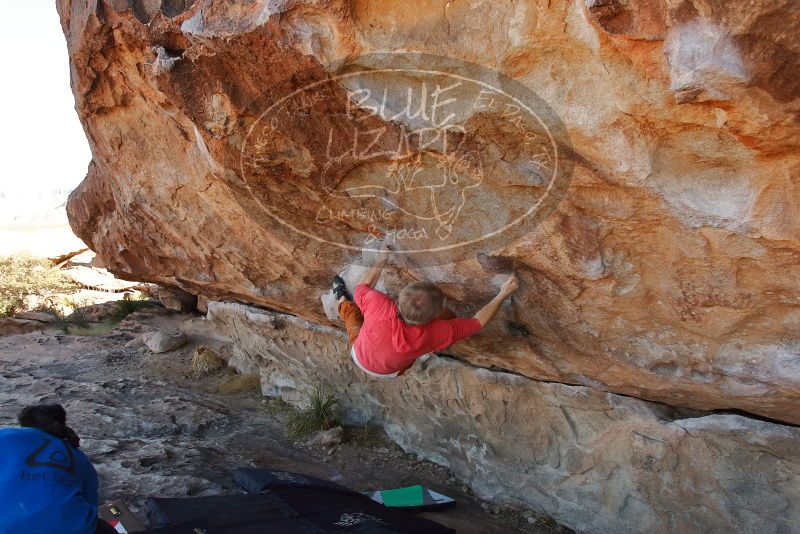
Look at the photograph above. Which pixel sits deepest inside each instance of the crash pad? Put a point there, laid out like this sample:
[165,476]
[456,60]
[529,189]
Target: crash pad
[300,504]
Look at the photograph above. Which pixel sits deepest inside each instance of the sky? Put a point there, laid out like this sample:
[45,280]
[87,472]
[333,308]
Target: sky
[42,144]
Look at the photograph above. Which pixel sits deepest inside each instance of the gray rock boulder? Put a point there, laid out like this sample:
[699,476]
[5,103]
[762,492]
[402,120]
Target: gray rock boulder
[158,342]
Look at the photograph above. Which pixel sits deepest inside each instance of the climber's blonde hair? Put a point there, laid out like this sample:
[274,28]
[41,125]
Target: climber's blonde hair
[420,302]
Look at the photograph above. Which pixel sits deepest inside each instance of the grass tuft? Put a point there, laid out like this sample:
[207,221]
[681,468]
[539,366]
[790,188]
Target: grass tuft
[206,361]
[318,415]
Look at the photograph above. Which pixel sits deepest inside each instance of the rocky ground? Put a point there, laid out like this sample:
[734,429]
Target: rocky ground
[153,429]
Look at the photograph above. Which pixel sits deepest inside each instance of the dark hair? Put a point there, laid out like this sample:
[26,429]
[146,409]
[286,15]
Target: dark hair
[420,302]
[51,418]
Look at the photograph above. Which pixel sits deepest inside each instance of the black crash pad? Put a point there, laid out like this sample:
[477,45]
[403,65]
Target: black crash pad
[287,508]
[255,480]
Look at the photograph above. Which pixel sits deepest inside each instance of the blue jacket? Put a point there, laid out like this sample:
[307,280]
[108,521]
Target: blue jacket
[46,485]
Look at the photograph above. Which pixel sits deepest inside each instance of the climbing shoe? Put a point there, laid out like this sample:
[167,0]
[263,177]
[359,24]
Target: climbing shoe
[339,289]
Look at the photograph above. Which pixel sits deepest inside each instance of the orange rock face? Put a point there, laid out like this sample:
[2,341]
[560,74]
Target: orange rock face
[634,163]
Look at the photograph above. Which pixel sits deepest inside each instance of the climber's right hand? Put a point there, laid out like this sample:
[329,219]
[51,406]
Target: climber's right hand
[383,255]
[509,286]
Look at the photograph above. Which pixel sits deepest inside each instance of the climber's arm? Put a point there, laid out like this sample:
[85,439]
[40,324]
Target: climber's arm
[374,274]
[488,312]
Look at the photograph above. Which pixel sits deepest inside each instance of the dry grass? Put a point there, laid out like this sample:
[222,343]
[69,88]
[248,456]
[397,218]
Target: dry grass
[206,361]
[318,415]
[240,384]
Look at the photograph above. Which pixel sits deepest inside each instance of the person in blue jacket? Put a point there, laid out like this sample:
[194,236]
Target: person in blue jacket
[47,484]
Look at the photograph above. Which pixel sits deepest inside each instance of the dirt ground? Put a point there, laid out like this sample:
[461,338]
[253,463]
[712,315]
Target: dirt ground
[153,429]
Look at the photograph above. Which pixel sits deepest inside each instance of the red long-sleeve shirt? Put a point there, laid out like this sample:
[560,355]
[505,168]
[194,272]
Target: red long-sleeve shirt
[386,344]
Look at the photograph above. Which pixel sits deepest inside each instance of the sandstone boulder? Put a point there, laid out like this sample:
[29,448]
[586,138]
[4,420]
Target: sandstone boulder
[202,304]
[664,267]
[42,317]
[176,299]
[11,326]
[158,342]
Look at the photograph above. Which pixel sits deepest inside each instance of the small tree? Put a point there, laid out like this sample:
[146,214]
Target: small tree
[23,276]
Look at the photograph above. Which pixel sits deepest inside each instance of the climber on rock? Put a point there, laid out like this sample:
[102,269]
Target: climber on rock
[387,337]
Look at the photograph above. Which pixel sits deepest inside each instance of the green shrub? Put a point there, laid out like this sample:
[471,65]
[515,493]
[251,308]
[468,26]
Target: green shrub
[318,415]
[128,305]
[23,276]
